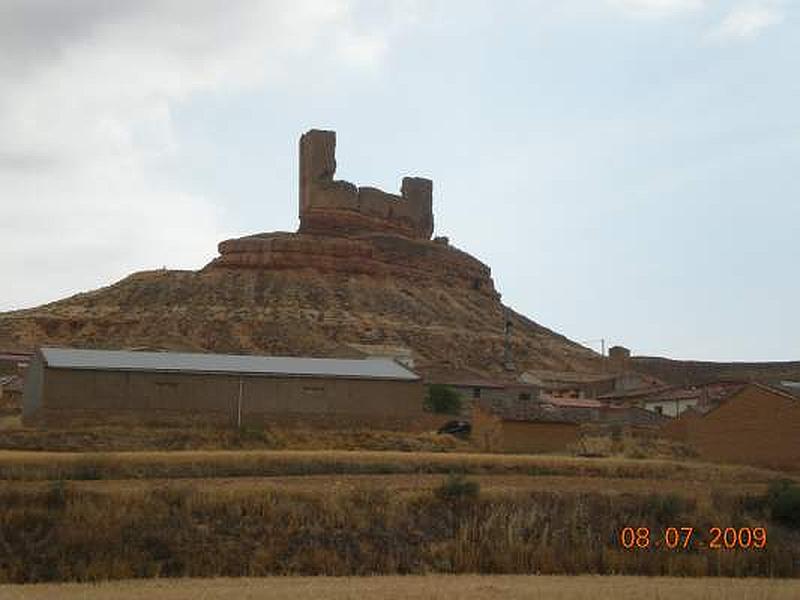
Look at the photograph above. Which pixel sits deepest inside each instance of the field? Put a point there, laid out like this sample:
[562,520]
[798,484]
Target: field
[93,516]
[21,465]
[463,587]
[152,507]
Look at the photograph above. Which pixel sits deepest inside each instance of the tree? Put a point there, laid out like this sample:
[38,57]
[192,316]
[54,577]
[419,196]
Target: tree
[443,399]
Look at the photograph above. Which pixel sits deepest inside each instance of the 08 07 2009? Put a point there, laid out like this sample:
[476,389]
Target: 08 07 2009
[686,538]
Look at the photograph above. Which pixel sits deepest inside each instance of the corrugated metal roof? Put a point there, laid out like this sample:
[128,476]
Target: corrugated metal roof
[119,360]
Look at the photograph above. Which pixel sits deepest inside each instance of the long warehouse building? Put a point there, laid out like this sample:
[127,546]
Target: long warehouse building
[63,384]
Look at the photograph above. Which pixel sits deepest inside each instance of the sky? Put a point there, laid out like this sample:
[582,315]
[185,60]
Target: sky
[627,168]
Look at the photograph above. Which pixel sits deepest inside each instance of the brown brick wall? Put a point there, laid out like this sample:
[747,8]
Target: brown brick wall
[109,392]
[532,436]
[756,426]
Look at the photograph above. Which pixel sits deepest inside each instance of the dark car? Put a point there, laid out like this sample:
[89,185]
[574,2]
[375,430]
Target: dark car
[459,428]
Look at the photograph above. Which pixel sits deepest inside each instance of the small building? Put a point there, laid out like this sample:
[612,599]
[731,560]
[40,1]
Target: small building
[570,384]
[619,357]
[518,431]
[632,416]
[67,383]
[578,409]
[672,401]
[14,363]
[10,393]
[491,395]
[757,425]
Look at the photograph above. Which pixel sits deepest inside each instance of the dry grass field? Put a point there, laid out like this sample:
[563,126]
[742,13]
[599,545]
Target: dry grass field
[360,503]
[98,516]
[698,491]
[31,466]
[462,587]
[188,435]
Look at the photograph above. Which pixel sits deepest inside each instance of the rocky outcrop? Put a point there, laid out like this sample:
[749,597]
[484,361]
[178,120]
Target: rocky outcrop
[358,231]
[377,255]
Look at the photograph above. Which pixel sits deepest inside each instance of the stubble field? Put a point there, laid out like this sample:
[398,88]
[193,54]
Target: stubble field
[462,587]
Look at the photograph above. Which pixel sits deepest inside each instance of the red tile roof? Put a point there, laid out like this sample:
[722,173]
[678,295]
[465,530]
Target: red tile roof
[573,402]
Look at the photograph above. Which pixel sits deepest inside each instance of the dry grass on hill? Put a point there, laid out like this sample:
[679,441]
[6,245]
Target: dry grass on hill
[462,587]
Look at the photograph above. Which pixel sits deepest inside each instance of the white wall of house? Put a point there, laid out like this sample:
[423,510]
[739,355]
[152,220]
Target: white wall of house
[670,408]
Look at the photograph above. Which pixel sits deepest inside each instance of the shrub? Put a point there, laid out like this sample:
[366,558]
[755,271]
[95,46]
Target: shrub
[252,434]
[784,502]
[443,399]
[667,507]
[458,487]
[56,498]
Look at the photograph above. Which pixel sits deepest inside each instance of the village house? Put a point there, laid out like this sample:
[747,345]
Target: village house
[568,384]
[523,430]
[672,401]
[491,394]
[756,424]
[13,363]
[10,392]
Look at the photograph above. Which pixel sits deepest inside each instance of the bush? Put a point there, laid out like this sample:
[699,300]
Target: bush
[666,508]
[252,434]
[784,502]
[56,496]
[443,399]
[458,487]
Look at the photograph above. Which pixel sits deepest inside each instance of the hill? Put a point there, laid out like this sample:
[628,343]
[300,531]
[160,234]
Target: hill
[361,270]
[293,312]
[692,372]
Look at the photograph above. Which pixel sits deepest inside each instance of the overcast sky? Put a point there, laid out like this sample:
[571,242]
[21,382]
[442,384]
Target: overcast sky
[629,169]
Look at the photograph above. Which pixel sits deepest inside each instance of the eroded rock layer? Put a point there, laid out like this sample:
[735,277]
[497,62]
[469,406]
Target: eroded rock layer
[379,255]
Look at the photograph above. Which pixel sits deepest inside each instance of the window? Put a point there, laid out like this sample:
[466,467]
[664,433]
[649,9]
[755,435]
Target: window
[476,392]
[524,396]
[659,409]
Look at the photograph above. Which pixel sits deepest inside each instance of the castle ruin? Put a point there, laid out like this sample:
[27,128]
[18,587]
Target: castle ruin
[357,230]
[328,206]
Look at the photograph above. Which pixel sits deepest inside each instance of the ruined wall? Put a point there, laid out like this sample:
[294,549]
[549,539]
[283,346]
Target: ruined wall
[331,207]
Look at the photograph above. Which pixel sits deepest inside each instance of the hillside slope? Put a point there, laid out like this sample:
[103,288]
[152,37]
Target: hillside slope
[683,372]
[295,312]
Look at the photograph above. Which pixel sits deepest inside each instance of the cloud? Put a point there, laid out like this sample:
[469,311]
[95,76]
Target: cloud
[657,9]
[87,93]
[745,22]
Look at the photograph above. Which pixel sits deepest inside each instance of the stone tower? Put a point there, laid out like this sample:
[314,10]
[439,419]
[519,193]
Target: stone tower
[331,207]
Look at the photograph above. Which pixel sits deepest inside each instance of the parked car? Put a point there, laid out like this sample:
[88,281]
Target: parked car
[458,428]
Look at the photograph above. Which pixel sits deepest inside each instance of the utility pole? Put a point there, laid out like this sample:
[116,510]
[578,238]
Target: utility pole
[602,349]
[602,344]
